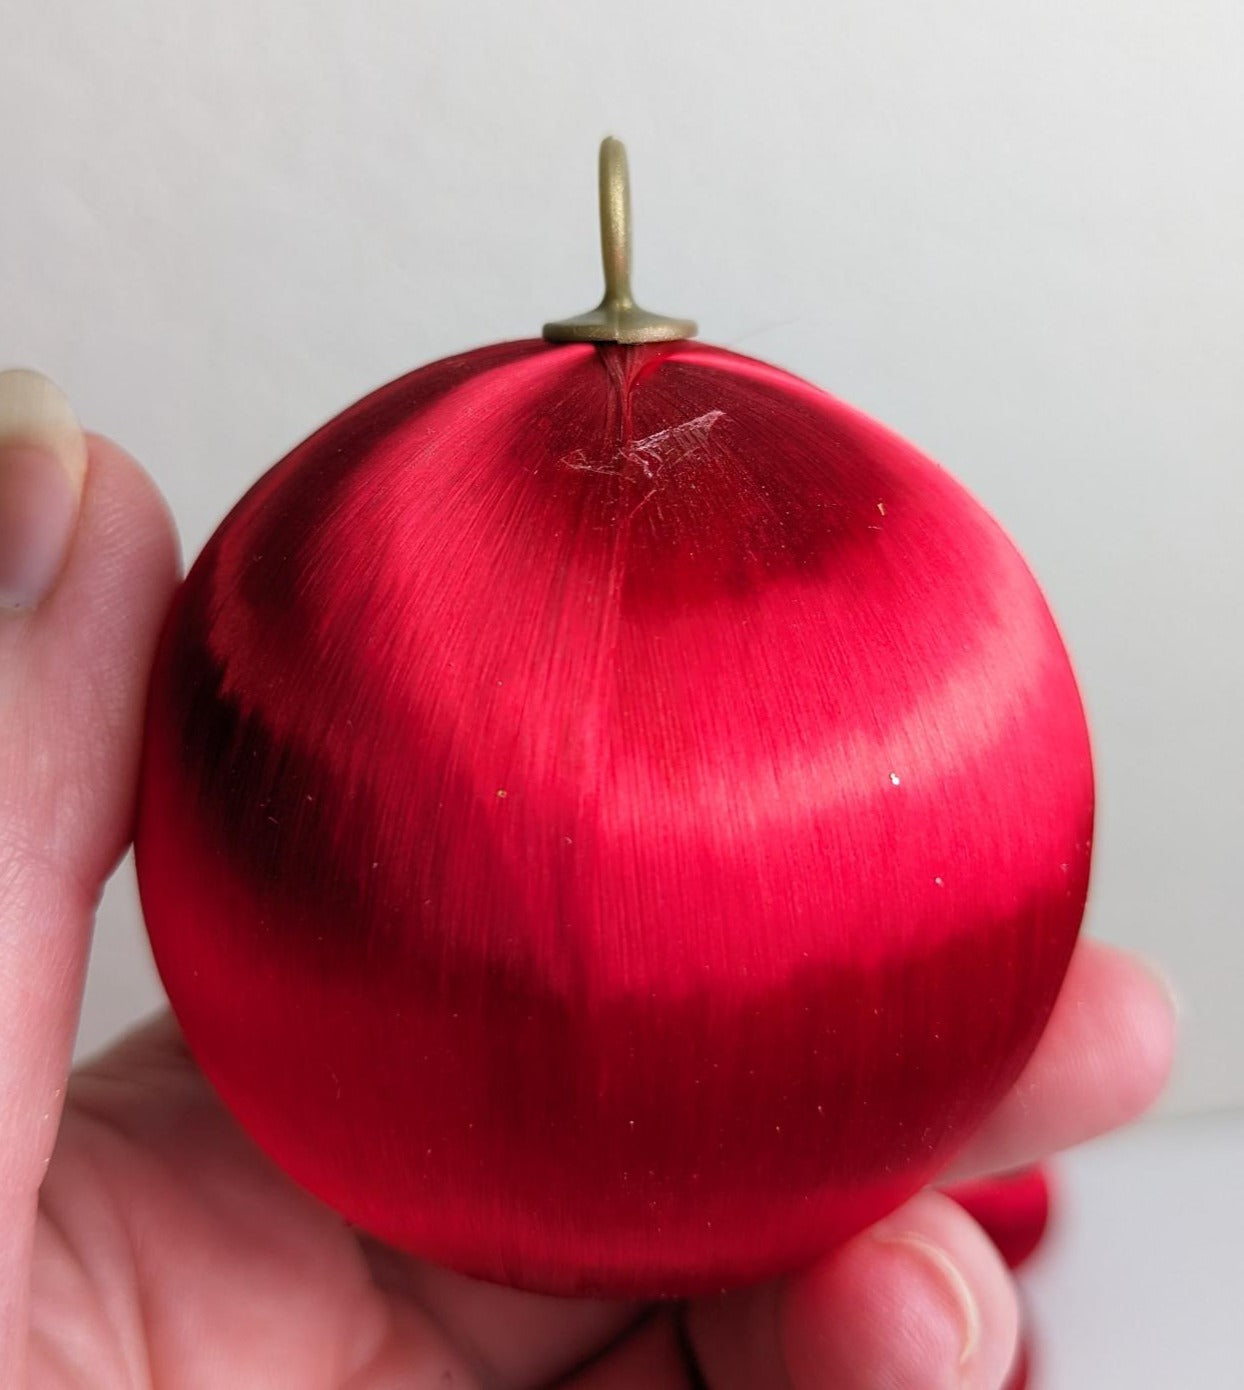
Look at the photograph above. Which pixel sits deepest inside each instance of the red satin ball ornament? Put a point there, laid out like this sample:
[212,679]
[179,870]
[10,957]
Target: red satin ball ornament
[614,818]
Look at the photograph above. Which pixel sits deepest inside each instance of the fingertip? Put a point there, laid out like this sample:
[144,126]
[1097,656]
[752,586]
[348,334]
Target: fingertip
[122,559]
[1114,1025]
[128,502]
[63,494]
[118,581]
[1147,1029]
[1104,1059]
[922,1299]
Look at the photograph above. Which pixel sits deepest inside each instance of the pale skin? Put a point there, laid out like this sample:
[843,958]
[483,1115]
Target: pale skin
[144,1242]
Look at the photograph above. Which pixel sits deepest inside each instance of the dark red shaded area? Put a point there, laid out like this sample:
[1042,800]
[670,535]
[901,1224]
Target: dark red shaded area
[1013,1210]
[613,820]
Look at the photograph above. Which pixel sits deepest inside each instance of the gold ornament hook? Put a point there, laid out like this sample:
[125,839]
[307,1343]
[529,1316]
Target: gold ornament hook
[617,319]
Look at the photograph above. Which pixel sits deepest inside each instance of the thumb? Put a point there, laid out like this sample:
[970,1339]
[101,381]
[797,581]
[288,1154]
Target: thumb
[88,562]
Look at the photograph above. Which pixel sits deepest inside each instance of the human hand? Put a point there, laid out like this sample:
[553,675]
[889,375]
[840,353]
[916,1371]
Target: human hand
[145,1242]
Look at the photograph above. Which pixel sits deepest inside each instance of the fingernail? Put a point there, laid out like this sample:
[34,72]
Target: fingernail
[42,469]
[949,1284]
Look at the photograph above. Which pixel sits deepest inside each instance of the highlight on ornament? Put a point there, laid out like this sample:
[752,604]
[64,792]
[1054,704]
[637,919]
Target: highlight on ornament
[614,818]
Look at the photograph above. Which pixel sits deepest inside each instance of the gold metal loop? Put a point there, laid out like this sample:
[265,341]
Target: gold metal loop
[617,319]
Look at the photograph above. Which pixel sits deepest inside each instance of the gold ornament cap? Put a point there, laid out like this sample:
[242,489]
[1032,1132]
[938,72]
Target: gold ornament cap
[617,319]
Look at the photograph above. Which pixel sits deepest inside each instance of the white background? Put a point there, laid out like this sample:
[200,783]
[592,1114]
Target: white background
[1011,231]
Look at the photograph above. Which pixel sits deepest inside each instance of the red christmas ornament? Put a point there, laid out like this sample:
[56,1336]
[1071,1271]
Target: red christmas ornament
[614,818]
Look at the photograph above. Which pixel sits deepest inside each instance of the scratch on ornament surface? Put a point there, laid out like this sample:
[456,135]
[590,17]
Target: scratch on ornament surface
[654,453]
[674,445]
